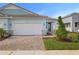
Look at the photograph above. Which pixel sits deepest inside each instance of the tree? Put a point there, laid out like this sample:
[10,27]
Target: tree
[61,31]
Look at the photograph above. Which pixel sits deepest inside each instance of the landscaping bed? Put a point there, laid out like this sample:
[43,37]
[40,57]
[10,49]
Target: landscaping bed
[54,44]
[4,34]
[64,40]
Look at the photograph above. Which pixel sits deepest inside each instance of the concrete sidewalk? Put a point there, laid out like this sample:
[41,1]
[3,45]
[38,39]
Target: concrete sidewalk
[41,52]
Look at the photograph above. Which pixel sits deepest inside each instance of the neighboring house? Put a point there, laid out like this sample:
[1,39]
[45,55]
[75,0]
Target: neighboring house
[19,21]
[71,22]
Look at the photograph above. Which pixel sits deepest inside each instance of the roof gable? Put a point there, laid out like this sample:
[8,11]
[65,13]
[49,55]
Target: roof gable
[10,6]
[70,15]
[14,9]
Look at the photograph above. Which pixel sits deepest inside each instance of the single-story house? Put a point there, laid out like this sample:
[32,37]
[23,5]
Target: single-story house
[19,21]
[71,22]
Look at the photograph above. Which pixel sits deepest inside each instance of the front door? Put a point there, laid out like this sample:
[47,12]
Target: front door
[49,28]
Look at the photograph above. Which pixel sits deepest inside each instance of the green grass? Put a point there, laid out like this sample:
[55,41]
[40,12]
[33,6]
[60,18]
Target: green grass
[53,44]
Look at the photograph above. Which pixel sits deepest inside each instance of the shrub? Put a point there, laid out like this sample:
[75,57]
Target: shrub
[2,33]
[61,31]
[74,36]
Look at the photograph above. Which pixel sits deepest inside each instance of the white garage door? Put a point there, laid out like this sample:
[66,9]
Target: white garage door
[27,29]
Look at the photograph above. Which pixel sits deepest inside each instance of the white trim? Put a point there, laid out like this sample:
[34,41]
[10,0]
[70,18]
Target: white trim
[6,17]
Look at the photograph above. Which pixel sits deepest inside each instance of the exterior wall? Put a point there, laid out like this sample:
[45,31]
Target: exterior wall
[75,19]
[8,23]
[72,20]
[69,20]
[32,20]
[55,25]
[52,28]
[4,24]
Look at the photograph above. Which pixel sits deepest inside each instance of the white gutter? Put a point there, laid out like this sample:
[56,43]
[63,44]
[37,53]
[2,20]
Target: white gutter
[7,17]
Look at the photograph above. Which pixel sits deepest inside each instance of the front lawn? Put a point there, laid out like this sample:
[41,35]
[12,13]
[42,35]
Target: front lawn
[53,44]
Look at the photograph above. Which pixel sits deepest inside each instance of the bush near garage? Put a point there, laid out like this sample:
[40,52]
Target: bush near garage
[3,34]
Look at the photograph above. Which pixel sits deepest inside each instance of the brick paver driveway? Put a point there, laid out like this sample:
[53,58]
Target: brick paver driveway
[22,43]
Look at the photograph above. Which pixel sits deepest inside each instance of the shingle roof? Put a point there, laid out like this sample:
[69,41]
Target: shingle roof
[19,12]
[32,15]
[14,11]
[70,15]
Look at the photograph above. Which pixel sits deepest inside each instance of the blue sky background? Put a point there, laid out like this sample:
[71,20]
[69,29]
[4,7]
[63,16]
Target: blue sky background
[50,9]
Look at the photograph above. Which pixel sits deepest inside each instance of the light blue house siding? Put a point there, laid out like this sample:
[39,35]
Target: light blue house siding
[28,20]
[3,23]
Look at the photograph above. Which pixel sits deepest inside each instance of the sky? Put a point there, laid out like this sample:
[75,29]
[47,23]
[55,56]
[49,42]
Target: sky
[50,9]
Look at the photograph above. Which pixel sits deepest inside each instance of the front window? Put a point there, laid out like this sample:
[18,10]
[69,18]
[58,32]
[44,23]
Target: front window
[67,24]
[76,24]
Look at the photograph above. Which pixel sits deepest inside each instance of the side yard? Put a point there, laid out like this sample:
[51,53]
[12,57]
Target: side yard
[54,44]
[64,40]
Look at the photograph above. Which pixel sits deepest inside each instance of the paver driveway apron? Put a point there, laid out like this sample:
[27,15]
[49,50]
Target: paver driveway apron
[22,43]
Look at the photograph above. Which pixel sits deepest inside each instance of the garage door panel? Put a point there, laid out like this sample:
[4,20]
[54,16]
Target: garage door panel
[21,32]
[27,29]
